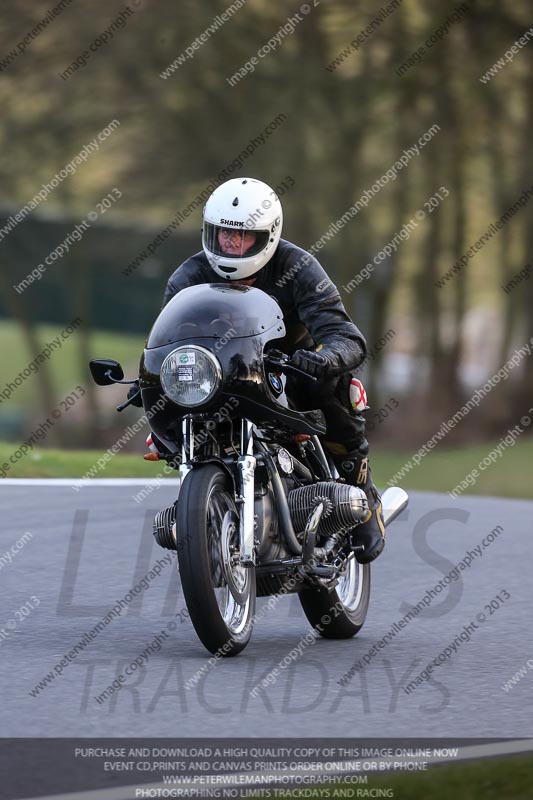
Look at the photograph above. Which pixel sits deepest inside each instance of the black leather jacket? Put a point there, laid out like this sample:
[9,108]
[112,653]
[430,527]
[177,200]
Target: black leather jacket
[312,308]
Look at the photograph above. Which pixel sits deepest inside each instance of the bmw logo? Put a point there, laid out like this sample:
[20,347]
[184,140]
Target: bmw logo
[275,383]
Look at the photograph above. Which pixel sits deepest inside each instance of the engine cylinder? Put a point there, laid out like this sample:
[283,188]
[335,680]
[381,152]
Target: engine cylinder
[163,528]
[344,506]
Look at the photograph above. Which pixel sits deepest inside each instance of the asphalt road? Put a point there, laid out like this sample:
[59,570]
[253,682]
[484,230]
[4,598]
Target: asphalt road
[89,548]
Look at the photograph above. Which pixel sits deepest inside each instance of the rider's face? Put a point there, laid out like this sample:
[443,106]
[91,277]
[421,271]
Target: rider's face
[235,242]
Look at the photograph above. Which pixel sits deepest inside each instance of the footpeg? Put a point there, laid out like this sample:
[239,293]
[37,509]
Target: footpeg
[321,571]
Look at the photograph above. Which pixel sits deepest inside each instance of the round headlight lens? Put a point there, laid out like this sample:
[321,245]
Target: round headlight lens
[190,375]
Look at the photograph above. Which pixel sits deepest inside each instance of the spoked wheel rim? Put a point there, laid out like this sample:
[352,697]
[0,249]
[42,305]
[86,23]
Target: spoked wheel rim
[230,580]
[350,586]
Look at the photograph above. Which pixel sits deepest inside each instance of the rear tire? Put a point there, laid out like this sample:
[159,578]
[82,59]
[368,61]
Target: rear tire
[341,612]
[218,591]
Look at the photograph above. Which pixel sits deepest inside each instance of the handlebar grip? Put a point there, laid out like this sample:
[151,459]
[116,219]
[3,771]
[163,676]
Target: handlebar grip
[126,403]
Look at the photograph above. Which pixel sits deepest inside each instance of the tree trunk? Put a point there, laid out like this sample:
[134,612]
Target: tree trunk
[19,313]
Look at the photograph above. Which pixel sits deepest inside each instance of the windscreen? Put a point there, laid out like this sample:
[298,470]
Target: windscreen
[215,310]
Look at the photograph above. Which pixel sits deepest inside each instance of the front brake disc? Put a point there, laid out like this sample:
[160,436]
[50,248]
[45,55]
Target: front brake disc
[235,574]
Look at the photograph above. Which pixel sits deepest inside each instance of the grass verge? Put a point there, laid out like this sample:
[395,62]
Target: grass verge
[495,779]
[65,367]
[45,463]
[440,471]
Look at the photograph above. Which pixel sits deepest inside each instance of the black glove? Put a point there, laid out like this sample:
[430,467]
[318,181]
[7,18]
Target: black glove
[314,364]
[134,391]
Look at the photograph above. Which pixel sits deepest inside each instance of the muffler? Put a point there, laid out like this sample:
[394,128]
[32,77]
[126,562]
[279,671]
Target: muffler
[393,500]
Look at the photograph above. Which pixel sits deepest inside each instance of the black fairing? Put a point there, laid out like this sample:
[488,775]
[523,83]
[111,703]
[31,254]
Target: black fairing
[236,324]
[213,309]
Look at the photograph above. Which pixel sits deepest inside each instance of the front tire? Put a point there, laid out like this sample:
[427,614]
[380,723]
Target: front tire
[218,591]
[341,612]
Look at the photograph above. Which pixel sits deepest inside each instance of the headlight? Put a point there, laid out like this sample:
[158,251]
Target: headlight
[190,375]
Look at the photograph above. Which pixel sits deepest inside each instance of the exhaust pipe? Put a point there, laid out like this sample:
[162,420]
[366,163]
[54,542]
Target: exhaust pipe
[394,500]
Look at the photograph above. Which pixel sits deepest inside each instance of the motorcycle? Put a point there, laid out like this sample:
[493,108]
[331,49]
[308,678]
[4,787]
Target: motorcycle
[261,509]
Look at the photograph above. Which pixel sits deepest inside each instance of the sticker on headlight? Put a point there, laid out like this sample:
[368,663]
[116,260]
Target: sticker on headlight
[187,358]
[185,374]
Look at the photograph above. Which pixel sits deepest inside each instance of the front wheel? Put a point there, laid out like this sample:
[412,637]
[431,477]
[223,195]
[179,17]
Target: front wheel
[339,613]
[218,590]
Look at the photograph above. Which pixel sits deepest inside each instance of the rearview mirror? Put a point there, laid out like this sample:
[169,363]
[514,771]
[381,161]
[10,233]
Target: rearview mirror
[105,371]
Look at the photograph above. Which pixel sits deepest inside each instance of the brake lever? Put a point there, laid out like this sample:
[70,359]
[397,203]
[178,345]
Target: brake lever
[297,371]
[127,403]
[284,365]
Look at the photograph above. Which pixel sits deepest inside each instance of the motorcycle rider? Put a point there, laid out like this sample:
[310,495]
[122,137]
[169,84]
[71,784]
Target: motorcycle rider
[241,239]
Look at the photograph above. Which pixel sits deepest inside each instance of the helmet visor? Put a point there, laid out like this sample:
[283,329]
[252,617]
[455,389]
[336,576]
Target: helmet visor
[234,242]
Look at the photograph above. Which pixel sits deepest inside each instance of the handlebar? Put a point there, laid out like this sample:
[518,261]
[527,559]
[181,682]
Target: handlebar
[274,358]
[281,361]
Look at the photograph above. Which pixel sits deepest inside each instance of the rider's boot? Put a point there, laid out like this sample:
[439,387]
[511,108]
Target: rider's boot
[370,533]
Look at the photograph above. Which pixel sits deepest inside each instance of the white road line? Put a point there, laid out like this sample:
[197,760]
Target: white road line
[491,750]
[87,482]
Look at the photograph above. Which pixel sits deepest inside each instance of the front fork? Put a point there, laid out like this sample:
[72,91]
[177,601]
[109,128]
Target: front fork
[245,499]
[246,465]
[187,446]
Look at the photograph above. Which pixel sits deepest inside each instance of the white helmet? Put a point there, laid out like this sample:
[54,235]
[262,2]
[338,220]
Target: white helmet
[241,204]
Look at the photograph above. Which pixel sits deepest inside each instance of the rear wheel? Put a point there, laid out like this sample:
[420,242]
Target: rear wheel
[339,613]
[218,590]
